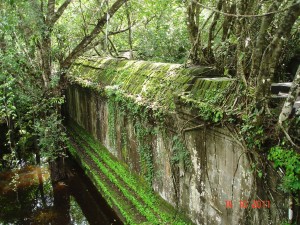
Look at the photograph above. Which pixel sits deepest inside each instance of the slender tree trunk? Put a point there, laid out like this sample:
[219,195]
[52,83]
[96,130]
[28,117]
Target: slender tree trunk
[193,29]
[289,102]
[240,51]
[261,40]
[272,53]
[57,170]
[228,21]
[209,53]
[46,58]
[130,30]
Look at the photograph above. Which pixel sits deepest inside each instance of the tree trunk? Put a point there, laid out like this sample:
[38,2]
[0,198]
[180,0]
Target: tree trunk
[272,54]
[289,102]
[209,53]
[240,49]
[193,29]
[46,58]
[228,20]
[57,170]
[261,40]
[129,30]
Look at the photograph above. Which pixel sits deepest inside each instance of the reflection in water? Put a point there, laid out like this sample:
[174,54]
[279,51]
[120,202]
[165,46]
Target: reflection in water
[27,196]
[76,212]
[25,177]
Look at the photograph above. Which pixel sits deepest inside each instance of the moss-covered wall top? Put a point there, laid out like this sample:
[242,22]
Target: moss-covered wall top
[156,85]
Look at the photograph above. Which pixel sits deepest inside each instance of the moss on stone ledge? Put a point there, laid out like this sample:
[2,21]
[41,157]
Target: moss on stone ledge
[153,84]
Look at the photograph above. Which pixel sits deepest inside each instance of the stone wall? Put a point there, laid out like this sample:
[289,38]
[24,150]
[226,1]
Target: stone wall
[219,169]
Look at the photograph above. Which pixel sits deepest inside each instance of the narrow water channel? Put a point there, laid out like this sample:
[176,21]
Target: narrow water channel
[27,196]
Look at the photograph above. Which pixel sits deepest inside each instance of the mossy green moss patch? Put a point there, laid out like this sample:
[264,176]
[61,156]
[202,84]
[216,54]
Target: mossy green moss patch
[146,202]
[153,85]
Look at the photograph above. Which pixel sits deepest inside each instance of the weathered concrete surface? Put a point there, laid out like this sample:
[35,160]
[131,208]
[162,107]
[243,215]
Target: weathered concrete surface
[221,170]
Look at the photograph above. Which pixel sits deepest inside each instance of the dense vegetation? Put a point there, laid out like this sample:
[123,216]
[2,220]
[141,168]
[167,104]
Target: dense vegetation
[257,42]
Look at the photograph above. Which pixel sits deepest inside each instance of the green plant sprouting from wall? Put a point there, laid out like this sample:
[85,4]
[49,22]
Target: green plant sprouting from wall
[208,108]
[124,143]
[252,134]
[111,122]
[143,135]
[180,154]
[143,128]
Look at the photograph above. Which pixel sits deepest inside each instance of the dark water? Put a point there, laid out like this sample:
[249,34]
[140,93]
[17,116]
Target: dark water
[27,196]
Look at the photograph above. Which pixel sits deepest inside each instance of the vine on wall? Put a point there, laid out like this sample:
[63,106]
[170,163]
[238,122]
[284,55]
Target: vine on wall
[111,122]
[180,154]
[144,120]
[143,134]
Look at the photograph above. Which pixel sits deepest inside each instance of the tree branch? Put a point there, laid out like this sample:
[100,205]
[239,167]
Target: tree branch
[111,33]
[42,6]
[81,47]
[83,19]
[60,11]
[51,8]
[119,31]
[112,46]
[288,136]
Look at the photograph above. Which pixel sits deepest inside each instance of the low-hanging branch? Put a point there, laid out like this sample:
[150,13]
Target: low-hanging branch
[81,47]
[56,15]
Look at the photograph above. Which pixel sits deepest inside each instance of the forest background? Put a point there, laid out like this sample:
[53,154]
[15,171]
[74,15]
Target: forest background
[254,41]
